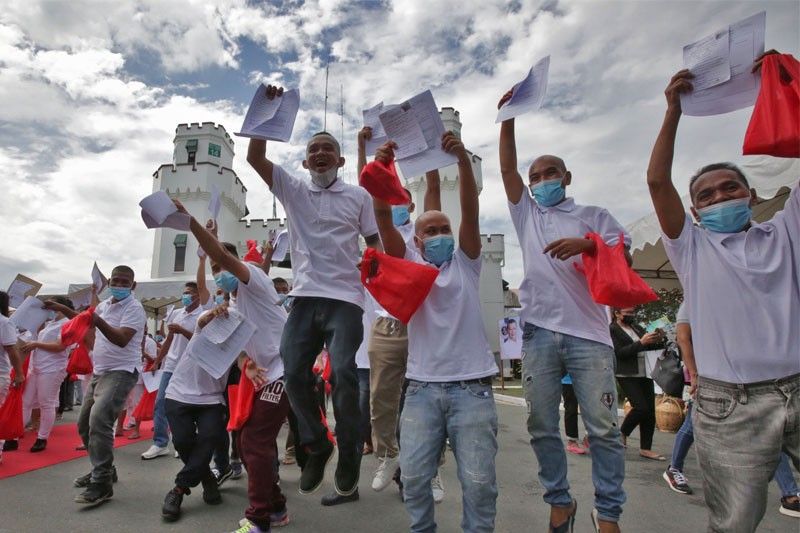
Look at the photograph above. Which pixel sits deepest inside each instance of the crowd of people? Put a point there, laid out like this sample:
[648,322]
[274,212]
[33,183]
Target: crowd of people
[407,392]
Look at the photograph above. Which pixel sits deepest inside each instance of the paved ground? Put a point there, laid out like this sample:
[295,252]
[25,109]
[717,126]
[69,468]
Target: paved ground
[42,500]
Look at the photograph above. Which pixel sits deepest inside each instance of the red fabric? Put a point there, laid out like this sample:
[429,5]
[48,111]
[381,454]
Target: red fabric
[240,402]
[79,361]
[382,181]
[74,331]
[253,255]
[144,409]
[400,286]
[611,281]
[774,127]
[11,426]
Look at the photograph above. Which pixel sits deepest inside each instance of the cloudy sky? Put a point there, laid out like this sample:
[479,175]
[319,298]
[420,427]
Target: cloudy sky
[91,93]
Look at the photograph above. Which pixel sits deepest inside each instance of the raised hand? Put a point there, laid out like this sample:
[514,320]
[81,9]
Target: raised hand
[760,59]
[453,145]
[364,135]
[506,97]
[179,206]
[273,91]
[211,226]
[385,154]
[677,85]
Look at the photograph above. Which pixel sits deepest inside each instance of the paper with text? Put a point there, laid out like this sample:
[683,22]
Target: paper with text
[372,119]
[271,119]
[216,356]
[215,203]
[709,60]
[158,211]
[528,94]
[402,127]
[152,380]
[30,315]
[280,247]
[20,288]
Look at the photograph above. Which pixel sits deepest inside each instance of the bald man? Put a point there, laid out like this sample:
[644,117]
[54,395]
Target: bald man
[564,329]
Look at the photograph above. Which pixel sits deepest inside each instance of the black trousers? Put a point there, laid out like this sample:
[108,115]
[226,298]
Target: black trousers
[196,432]
[570,411]
[641,394]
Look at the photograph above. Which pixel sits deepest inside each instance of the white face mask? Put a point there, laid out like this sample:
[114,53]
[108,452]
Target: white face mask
[324,179]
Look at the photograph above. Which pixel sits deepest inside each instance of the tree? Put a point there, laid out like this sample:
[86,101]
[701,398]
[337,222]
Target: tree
[667,305]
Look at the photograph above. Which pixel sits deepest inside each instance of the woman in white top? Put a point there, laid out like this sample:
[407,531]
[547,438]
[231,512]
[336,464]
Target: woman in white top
[9,354]
[47,370]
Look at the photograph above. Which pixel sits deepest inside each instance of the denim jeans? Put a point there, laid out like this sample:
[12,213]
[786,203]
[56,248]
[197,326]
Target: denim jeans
[546,356]
[196,432]
[683,441]
[160,423]
[363,404]
[98,417]
[312,323]
[739,432]
[785,479]
[465,413]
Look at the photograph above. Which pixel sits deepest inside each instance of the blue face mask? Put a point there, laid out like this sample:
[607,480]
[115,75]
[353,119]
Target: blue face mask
[187,300]
[219,299]
[120,293]
[400,214]
[226,281]
[159,338]
[282,298]
[548,193]
[726,217]
[439,249]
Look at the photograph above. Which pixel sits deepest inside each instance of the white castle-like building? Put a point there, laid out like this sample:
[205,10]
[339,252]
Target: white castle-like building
[203,157]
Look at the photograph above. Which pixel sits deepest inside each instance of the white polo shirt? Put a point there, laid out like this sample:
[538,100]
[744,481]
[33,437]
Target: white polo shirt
[446,339]
[324,226]
[258,301]
[8,337]
[186,320]
[191,384]
[407,232]
[43,361]
[554,295]
[127,313]
[743,296]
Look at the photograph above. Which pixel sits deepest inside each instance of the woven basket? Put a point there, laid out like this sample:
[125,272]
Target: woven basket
[669,414]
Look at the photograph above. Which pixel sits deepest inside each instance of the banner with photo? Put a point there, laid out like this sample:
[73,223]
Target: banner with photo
[510,338]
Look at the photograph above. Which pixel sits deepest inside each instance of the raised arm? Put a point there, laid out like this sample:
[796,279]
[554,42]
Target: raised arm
[512,181]
[257,149]
[433,193]
[202,290]
[364,135]
[120,336]
[469,233]
[393,243]
[666,200]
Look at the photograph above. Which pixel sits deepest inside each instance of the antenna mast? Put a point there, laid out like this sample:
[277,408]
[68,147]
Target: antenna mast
[325,120]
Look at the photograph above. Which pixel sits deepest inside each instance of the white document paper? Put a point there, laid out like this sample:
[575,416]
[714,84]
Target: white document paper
[215,203]
[402,127]
[280,247]
[152,380]
[81,298]
[30,315]
[158,211]
[709,60]
[426,115]
[20,288]
[528,94]
[271,119]
[98,279]
[746,43]
[217,357]
[168,313]
[372,119]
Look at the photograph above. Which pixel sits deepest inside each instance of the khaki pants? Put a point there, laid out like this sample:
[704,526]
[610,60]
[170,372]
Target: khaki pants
[388,354]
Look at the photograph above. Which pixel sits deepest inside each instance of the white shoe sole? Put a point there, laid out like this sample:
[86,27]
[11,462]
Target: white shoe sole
[156,456]
[669,484]
[788,512]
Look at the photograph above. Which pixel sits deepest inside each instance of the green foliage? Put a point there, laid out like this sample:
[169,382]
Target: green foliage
[666,305]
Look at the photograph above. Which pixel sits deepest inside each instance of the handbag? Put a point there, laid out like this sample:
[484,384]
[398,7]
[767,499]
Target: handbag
[668,371]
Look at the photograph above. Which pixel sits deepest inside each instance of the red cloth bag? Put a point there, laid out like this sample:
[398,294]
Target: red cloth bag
[611,281]
[253,255]
[240,402]
[79,361]
[11,426]
[774,127]
[382,181]
[74,330]
[145,407]
[400,286]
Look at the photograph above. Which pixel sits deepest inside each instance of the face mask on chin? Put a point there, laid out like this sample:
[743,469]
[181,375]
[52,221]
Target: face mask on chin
[324,179]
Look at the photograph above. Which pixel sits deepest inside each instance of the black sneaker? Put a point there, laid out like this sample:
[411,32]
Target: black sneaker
[11,445]
[222,475]
[314,470]
[39,445]
[84,480]
[348,470]
[677,481]
[211,493]
[95,494]
[171,510]
[335,498]
[790,506]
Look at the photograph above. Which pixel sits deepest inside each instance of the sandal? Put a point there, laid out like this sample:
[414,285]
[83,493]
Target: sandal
[656,457]
[568,525]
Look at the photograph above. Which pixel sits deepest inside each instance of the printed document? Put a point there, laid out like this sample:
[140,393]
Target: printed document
[528,94]
[271,120]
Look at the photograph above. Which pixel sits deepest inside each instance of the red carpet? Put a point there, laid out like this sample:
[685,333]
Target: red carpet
[60,448]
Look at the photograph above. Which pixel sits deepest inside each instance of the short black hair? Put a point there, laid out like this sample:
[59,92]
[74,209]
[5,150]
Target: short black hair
[275,281]
[124,269]
[4,303]
[725,165]
[335,141]
[231,249]
[191,285]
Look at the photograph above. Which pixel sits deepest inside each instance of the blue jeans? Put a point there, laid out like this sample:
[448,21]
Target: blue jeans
[785,479]
[683,441]
[465,413]
[546,356]
[160,422]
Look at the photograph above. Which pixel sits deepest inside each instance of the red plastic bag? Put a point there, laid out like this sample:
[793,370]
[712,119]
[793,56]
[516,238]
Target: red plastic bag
[381,181]
[253,255]
[74,330]
[774,127]
[400,286]
[611,281]
[240,402]
[79,361]
[11,426]
[144,409]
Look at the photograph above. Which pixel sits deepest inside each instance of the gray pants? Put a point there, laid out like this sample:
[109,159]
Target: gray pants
[101,406]
[739,433]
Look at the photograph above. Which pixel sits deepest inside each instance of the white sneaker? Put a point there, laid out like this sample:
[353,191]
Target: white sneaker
[177,455]
[155,451]
[437,488]
[384,473]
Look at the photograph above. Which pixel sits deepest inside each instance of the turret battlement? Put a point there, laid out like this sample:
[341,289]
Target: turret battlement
[195,128]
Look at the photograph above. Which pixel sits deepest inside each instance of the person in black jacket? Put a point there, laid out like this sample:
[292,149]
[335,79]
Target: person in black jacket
[629,339]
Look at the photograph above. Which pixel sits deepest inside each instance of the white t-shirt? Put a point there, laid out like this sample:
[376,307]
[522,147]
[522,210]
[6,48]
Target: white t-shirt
[371,308]
[554,295]
[187,321]
[258,301]
[43,361]
[742,292]
[8,337]
[191,384]
[128,313]
[446,338]
[407,232]
[324,226]
[682,316]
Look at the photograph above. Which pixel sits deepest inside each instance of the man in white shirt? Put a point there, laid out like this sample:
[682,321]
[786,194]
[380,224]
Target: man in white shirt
[326,217]
[741,283]
[450,364]
[564,329]
[120,321]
